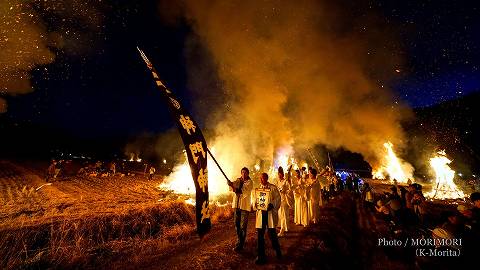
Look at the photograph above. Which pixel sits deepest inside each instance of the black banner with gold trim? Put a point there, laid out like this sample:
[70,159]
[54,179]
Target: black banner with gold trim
[195,146]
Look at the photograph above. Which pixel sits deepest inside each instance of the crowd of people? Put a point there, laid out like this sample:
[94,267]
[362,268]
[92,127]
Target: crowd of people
[59,169]
[299,191]
[411,216]
[304,192]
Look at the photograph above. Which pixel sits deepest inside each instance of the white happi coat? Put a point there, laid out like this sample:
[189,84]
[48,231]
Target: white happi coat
[315,199]
[284,211]
[298,192]
[272,216]
[243,199]
[315,191]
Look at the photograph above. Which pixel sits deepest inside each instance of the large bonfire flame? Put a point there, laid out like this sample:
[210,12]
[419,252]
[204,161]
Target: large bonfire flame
[393,167]
[444,187]
[180,180]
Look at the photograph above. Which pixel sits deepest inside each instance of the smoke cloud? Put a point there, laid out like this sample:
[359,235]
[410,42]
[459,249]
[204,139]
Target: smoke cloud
[298,73]
[30,32]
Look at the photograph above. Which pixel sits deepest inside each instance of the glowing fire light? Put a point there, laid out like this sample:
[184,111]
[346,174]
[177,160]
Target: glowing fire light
[283,159]
[190,201]
[444,187]
[132,158]
[180,180]
[393,167]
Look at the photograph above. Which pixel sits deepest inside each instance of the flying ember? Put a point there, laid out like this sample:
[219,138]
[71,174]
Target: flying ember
[444,187]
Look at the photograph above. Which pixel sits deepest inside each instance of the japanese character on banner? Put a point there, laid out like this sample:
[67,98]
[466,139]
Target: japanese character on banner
[159,83]
[205,211]
[187,124]
[203,179]
[175,103]
[197,148]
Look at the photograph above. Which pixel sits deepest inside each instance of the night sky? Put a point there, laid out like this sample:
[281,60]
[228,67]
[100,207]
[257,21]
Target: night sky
[101,87]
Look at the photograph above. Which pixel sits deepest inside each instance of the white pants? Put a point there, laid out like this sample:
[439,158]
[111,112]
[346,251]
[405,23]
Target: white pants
[283,215]
[297,215]
[305,215]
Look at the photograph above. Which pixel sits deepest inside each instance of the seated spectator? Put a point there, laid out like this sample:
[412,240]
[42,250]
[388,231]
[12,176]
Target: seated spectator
[383,211]
[454,225]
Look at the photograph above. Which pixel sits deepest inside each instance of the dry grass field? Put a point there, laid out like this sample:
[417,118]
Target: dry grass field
[84,221]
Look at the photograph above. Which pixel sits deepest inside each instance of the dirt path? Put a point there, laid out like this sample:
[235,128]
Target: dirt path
[331,244]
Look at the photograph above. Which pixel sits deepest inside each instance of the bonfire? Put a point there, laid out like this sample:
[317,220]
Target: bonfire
[393,167]
[444,187]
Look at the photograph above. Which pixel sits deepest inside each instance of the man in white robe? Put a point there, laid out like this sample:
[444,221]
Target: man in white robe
[267,220]
[242,188]
[305,190]
[297,197]
[315,196]
[284,211]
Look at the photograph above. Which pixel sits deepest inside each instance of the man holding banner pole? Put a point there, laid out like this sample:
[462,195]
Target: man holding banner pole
[242,188]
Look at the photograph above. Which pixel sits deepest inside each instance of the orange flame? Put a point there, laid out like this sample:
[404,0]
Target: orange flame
[393,167]
[444,187]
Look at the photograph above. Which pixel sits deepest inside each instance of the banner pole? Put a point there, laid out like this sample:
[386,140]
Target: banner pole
[218,165]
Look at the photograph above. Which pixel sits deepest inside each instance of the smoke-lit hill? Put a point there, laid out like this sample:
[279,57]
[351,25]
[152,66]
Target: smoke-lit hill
[453,125]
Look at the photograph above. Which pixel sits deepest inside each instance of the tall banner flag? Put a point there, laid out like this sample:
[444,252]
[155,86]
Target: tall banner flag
[196,149]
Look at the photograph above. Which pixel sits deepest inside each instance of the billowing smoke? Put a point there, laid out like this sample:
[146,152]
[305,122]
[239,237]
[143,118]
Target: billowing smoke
[298,73]
[31,30]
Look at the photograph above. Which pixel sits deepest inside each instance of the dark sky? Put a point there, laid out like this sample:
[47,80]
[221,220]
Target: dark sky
[106,89]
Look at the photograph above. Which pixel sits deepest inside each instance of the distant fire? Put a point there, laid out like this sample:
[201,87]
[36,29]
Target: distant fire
[444,187]
[393,167]
[134,157]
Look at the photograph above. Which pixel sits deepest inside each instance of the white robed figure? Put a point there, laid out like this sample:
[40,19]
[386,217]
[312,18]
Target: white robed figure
[297,197]
[306,213]
[301,215]
[267,219]
[315,198]
[284,211]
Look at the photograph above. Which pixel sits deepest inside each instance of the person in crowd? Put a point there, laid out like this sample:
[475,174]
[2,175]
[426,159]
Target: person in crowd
[409,197]
[58,169]
[306,193]
[297,197]
[467,215]
[266,220]
[394,193]
[403,193]
[349,183]
[455,224]
[368,197]
[151,172]
[113,168]
[383,210]
[301,216]
[409,181]
[475,198]
[418,202]
[51,169]
[395,183]
[356,182]
[242,189]
[315,200]
[283,212]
